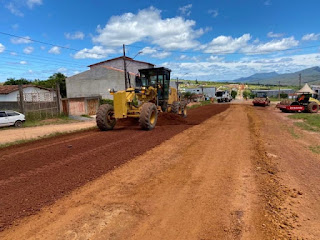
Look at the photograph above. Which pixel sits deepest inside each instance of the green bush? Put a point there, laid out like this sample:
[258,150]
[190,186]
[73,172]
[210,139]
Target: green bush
[106,101]
[283,95]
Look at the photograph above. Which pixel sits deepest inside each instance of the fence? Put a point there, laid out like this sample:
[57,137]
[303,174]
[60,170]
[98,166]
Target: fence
[39,105]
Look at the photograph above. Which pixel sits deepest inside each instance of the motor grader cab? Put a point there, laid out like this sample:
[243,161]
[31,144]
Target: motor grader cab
[151,95]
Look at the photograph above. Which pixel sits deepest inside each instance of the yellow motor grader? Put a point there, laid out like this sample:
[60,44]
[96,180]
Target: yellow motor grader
[151,95]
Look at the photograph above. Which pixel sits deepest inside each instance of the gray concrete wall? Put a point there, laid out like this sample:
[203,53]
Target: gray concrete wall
[274,93]
[132,66]
[96,82]
[208,92]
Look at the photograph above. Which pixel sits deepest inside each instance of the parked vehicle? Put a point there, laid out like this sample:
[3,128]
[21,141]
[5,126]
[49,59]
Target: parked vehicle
[11,118]
[261,99]
[223,96]
[304,103]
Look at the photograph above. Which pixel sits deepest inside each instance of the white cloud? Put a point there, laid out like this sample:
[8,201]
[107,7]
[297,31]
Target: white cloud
[147,25]
[226,44]
[155,53]
[75,35]
[42,47]
[311,37]
[275,35]
[28,50]
[213,12]
[55,50]
[2,48]
[96,52]
[23,62]
[185,10]
[148,50]
[30,71]
[62,70]
[13,53]
[229,70]
[215,59]
[272,46]
[14,10]
[32,3]
[23,40]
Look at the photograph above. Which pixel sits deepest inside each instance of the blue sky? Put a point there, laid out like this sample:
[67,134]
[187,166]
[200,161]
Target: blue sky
[204,40]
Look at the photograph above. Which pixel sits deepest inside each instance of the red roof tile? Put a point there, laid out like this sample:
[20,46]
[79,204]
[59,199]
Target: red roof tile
[127,58]
[6,89]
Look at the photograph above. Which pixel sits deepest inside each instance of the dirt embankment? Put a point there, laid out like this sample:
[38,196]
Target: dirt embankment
[36,174]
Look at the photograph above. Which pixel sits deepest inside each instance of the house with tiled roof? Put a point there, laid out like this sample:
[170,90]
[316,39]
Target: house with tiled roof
[10,93]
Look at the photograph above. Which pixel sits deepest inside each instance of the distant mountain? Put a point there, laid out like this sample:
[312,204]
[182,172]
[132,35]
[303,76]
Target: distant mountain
[257,77]
[309,75]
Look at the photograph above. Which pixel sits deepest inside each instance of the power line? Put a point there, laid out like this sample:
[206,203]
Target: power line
[172,51]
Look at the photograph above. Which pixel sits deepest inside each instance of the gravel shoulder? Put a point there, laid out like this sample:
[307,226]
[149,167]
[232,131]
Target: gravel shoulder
[17,134]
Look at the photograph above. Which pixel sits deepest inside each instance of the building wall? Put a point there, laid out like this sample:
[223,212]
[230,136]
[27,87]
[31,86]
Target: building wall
[208,92]
[96,82]
[132,66]
[13,97]
[274,93]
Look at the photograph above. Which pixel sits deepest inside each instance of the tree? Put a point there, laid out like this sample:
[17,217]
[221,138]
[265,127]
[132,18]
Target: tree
[52,82]
[13,81]
[197,81]
[283,95]
[246,94]
[233,94]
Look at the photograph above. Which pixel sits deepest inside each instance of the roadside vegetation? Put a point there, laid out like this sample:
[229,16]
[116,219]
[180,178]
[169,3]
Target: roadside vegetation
[315,149]
[310,122]
[199,104]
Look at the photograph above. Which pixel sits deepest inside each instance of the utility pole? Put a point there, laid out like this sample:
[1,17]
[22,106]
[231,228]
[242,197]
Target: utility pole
[22,110]
[125,67]
[279,91]
[299,80]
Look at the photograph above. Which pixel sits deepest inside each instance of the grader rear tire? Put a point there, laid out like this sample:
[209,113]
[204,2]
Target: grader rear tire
[148,116]
[313,107]
[176,107]
[104,119]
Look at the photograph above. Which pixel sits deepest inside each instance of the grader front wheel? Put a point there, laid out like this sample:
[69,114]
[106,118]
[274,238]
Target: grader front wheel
[105,117]
[148,116]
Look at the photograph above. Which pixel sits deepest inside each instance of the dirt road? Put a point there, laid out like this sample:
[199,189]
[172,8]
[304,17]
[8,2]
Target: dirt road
[225,178]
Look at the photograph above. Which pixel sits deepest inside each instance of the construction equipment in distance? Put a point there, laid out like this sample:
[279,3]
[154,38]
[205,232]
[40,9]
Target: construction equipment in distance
[223,96]
[304,103]
[261,99]
[152,94]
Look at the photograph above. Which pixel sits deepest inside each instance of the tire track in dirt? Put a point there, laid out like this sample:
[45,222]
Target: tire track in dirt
[274,221]
[39,183]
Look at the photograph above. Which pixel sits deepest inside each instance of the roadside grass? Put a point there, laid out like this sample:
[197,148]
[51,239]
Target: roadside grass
[58,120]
[293,133]
[203,103]
[311,122]
[51,135]
[315,149]
[86,115]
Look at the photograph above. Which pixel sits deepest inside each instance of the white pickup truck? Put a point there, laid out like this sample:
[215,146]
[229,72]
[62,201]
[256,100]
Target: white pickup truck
[11,118]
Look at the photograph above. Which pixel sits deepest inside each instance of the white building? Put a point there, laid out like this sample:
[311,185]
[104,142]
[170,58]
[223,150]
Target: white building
[10,93]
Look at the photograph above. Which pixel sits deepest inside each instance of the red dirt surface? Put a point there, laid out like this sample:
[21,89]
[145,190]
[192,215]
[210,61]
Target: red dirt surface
[36,174]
